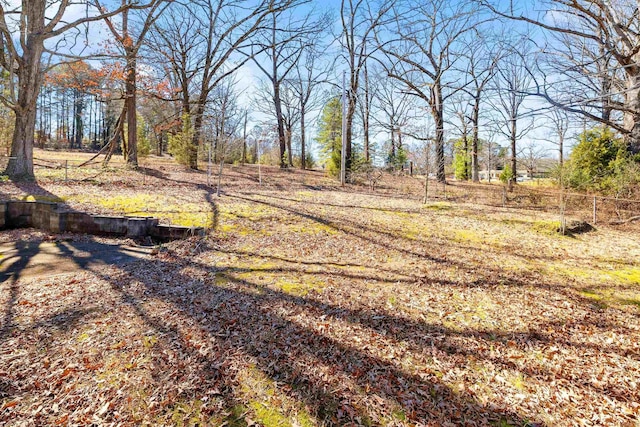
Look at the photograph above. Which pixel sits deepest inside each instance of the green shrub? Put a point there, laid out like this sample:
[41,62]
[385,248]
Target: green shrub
[506,174]
[180,144]
[601,162]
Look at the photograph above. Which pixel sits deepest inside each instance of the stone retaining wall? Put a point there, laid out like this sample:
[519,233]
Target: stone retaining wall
[53,218]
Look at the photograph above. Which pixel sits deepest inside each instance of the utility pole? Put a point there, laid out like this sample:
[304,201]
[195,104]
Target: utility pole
[343,162]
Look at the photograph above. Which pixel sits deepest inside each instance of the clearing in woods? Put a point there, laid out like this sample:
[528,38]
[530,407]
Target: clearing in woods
[312,305]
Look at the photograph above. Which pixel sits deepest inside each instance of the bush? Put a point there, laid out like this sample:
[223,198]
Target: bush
[601,162]
[180,146]
[397,160]
[506,174]
[462,159]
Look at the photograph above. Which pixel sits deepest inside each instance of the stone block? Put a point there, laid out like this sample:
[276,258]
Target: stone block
[19,214]
[3,215]
[111,225]
[173,232]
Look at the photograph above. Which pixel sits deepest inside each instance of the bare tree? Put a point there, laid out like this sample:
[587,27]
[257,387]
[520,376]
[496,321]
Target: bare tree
[130,33]
[359,19]
[393,113]
[422,49]
[511,85]
[559,121]
[282,44]
[481,59]
[31,40]
[310,74]
[198,41]
[531,156]
[610,32]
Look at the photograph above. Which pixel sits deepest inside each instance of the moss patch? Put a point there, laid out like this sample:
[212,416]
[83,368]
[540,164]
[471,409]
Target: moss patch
[163,207]
[269,405]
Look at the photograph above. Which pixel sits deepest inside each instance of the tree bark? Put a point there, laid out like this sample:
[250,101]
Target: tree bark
[438,116]
[632,117]
[303,143]
[197,132]
[132,120]
[514,163]
[20,166]
[282,138]
[475,121]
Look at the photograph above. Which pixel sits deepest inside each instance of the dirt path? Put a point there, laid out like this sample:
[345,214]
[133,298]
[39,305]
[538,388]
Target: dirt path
[41,259]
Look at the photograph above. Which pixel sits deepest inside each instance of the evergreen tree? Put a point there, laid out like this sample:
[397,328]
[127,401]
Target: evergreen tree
[180,146]
[330,135]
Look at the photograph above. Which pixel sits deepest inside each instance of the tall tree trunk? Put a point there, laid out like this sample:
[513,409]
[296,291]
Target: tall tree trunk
[20,166]
[475,119]
[632,118]
[303,142]
[132,120]
[366,113]
[282,139]
[244,140]
[514,164]
[438,118]
[79,125]
[351,110]
[198,120]
[289,134]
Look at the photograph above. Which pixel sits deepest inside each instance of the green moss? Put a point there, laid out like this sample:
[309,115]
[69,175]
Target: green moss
[550,228]
[439,206]
[188,414]
[163,207]
[467,236]
[301,288]
[627,275]
[235,417]
[269,406]
[399,414]
[268,416]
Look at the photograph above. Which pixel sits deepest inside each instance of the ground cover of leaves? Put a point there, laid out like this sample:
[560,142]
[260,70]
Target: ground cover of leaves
[313,305]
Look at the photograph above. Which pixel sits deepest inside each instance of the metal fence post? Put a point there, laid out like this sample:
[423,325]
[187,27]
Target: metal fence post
[66,170]
[595,210]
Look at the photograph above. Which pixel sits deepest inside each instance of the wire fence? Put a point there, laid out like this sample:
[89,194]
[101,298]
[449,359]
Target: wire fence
[594,209]
[589,208]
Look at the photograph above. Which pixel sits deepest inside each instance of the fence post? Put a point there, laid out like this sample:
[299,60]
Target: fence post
[66,169]
[595,210]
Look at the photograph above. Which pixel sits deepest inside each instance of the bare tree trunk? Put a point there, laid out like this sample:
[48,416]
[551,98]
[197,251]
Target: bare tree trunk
[289,134]
[438,116]
[132,120]
[20,166]
[366,112]
[79,124]
[244,140]
[475,121]
[303,142]
[282,139]
[198,120]
[351,110]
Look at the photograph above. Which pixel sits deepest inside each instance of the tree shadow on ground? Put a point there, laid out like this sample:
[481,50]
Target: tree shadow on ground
[325,373]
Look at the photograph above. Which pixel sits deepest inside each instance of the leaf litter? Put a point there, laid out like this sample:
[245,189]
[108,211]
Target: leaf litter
[328,307]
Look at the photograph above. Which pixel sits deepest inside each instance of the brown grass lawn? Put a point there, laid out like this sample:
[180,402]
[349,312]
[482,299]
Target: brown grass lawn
[312,305]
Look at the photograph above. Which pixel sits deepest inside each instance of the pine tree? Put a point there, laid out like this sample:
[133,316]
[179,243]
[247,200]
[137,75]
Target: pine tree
[330,135]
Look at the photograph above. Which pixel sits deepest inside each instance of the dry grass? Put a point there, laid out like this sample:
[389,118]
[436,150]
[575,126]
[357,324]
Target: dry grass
[309,305]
